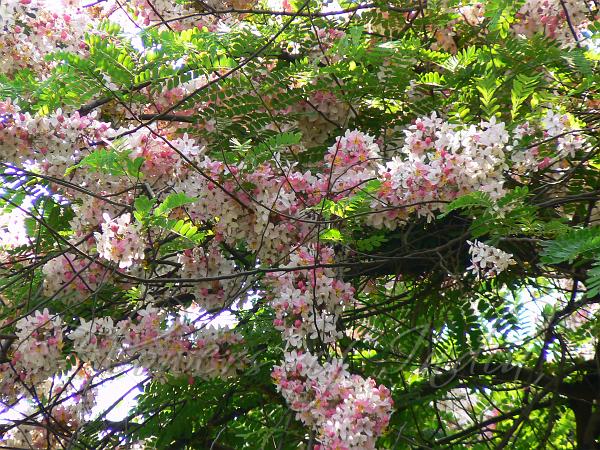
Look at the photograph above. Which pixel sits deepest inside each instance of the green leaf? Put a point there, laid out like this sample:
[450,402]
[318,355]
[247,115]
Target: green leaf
[134,166]
[143,205]
[474,199]
[372,242]
[332,235]
[104,161]
[173,201]
[523,87]
[592,283]
[487,88]
[571,245]
[183,228]
[112,161]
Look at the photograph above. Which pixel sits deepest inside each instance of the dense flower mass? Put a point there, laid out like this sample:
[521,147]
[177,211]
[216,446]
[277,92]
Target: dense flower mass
[308,303]
[488,261]
[120,241]
[530,149]
[31,29]
[12,231]
[77,398]
[438,163]
[72,274]
[50,143]
[40,340]
[351,161]
[558,19]
[201,263]
[346,410]
[151,341]
[160,346]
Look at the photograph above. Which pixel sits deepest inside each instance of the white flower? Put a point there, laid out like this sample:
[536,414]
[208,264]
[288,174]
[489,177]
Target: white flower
[488,261]
[120,241]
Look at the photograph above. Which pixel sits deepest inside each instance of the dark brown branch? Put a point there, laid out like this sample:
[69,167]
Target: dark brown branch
[266,12]
[507,373]
[86,109]
[167,118]
[482,425]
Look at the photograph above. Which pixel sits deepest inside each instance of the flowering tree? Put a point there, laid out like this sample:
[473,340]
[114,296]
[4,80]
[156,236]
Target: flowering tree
[392,204]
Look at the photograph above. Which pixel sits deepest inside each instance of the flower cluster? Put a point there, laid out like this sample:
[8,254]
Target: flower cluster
[153,13]
[74,399]
[120,241]
[561,127]
[460,406]
[440,162]
[160,345]
[36,355]
[326,39]
[258,206]
[346,411]
[73,274]
[538,145]
[488,261]
[95,340]
[31,29]
[562,20]
[210,262]
[159,12]
[308,303]
[321,112]
[12,231]
[163,158]
[40,341]
[447,35]
[350,162]
[39,436]
[52,142]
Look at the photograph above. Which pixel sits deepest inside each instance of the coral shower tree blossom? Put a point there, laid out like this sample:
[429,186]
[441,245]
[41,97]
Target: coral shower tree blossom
[308,303]
[428,171]
[347,411]
[562,20]
[12,231]
[120,241]
[200,262]
[438,163]
[164,347]
[50,143]
[151,341]
[32,29]
[69,415]
[40,338]
[488,261]
[530,153]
